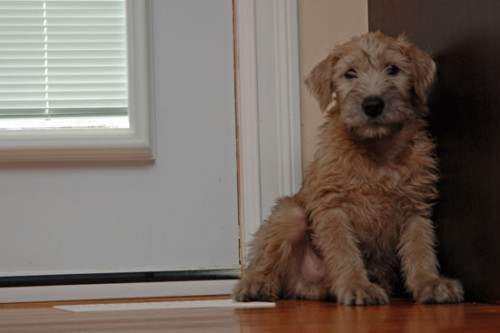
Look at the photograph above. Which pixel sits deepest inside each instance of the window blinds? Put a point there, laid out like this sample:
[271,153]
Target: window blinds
[63,58]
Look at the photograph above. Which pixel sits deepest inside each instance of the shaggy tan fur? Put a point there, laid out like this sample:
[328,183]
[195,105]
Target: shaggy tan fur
[363,213]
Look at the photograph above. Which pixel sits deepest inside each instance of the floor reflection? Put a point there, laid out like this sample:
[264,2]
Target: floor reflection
[399,316]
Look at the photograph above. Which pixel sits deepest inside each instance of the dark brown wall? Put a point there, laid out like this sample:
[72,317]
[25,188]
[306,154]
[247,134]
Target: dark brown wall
[464,38]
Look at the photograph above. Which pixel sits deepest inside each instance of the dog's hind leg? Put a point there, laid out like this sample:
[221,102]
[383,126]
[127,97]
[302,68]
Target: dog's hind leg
[275,254]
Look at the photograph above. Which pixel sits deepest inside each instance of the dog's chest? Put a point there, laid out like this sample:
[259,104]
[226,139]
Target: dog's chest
[388,178]
[383,182]
[376,205]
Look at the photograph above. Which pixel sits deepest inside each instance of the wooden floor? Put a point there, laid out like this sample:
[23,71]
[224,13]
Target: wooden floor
[288,316]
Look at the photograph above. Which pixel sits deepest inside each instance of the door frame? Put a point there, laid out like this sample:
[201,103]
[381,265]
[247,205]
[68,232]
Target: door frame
[269,124]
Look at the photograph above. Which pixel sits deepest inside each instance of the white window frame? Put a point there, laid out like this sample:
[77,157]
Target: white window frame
[128,144]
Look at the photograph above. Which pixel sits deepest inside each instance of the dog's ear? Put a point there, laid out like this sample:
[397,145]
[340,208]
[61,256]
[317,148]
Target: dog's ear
[423,72]
[319,81]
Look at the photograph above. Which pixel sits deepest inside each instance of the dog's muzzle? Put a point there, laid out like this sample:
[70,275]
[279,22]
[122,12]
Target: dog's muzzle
[373,106]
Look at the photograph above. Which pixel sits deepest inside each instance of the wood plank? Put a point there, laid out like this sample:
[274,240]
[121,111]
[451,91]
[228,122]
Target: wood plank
[400,315]
[108,301]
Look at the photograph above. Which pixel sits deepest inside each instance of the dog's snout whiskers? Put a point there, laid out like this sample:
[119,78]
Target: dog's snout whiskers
[373,106]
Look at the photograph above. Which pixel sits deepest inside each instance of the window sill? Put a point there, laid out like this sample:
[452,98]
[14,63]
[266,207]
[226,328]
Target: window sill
[86,145]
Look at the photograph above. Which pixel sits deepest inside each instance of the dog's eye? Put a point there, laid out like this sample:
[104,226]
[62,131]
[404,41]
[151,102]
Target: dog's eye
[351,74]
[392,70]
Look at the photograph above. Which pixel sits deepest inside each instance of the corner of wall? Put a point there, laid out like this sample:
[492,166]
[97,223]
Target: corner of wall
[322,25]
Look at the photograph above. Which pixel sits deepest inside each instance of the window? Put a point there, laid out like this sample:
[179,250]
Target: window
[67,70]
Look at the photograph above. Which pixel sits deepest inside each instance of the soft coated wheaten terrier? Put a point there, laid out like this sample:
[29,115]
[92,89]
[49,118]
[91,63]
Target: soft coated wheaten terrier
[363,212]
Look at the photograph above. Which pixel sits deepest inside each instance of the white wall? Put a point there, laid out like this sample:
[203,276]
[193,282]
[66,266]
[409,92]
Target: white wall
[322,25]
[179,212]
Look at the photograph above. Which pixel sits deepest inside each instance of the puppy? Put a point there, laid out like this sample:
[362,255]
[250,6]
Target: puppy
[363,214]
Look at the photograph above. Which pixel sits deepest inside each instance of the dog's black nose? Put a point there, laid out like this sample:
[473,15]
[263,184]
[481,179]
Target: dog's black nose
[373,106]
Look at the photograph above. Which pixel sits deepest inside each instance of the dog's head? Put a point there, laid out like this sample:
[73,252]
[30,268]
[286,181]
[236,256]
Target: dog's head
[377,83]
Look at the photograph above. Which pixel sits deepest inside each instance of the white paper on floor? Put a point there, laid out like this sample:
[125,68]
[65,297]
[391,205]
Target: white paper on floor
[223,303]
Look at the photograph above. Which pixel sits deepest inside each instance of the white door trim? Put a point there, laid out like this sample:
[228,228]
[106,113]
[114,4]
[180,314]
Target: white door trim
[268,108]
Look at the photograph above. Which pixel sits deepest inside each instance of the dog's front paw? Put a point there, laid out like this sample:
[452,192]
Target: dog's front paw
[440,290]
[252,288]
[362,294]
